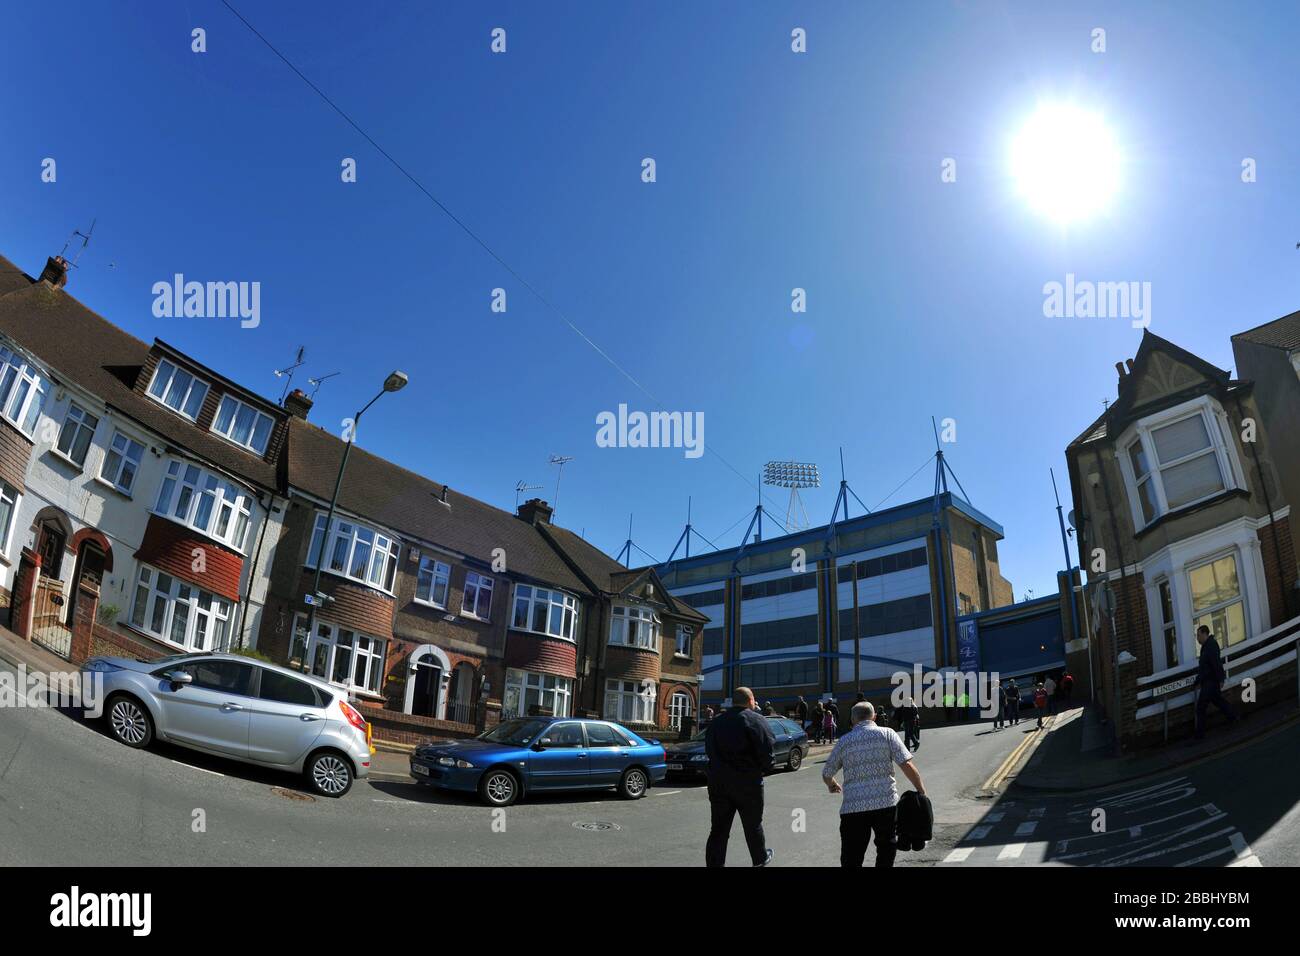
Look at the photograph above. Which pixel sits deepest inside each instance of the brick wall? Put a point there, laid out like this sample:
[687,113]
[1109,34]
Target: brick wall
[1275,540]
[630,663]
[546,655]
[15,453]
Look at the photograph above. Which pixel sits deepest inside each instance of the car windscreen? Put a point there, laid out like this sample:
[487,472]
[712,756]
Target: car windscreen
[515,733]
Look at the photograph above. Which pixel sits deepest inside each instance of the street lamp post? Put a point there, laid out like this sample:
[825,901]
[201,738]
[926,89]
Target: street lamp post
[395,382]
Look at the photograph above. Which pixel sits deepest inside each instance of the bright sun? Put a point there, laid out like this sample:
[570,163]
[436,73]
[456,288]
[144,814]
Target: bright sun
[1065,163]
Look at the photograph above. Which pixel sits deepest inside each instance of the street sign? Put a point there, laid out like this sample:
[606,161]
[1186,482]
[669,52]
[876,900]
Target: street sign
[1173,685]
[316,600]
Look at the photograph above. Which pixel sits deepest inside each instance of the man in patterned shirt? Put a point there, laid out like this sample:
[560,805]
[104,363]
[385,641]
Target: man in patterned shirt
[867,755]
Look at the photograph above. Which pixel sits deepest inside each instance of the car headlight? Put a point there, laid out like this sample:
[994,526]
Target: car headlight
[700,758]
[99,666]
[453,762]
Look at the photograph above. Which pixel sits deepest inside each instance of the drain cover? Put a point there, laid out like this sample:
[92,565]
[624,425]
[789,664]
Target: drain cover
[293,795]
[596,826]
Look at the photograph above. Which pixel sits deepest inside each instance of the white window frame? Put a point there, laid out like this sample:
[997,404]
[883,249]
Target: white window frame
[76,420]
[219,616]
[633,625]
[23,393]
[355,643]
[234,416]
[553,599]
[381,564]
[13,498]
[124,456]
[636,698]
[481,584]
[1240,566]
[1216,427]
[519,682]
[185,484]
[688,632]
[679,706]
[189,389]
[436,572]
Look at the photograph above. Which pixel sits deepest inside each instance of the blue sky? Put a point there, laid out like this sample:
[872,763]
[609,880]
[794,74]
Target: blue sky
[775,170]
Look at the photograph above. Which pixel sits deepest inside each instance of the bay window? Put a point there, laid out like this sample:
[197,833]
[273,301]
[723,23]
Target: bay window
[356,552]
[630,701]
[1217,599]
[9,498]
[634,627]
[339,655]
[526,690]
[201,500]
[433,582]
[477,601]
[242,424]
[75,435]
[178,389]
[1177,461]
[545,611]
[23,390]
[180,613]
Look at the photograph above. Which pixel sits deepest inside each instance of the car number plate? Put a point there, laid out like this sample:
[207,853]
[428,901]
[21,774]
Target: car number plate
[422,770]
[674,766]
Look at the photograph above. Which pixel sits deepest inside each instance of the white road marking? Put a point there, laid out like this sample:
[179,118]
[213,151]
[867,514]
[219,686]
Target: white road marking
[959,855]
[665,793]
[1251,860]
[385,773]
[199,769]
[978,833]
[400,803]
[1012,851]
[994,816]
[1038,812]
[1026,828]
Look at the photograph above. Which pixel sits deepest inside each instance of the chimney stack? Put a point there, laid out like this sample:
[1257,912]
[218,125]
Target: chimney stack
[536,511]
[297,404]
[56,272]
[1123,372]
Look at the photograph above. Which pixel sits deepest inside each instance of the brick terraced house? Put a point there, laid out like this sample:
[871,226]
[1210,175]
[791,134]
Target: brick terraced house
[1181,514]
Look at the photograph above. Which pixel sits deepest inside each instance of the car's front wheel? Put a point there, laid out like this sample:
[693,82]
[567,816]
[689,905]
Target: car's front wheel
[129,721]
[796,759]
[330,774]
[498,788]
[634,784]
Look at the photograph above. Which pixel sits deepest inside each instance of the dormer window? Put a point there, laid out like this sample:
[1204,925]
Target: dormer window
[178,389]
[242,424]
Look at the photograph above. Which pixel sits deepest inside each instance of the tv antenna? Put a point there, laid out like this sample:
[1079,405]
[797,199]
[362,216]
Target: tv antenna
[560,460]
[793,475]
[85,241]
[316,383]
[282,372]
[523,488]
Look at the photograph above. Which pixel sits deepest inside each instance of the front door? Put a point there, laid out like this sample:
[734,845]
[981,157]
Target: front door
[50,547]
[428,680]
[562,761]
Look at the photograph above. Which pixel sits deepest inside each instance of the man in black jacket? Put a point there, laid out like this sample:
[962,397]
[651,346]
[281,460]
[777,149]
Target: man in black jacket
[741,748]
[1209,677]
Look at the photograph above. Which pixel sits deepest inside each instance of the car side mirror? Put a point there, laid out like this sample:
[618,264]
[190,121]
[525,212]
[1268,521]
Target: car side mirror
[537,747]
[179,677]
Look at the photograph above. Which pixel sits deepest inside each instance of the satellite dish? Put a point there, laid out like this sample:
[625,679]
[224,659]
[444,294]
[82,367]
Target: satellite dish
[1070,518]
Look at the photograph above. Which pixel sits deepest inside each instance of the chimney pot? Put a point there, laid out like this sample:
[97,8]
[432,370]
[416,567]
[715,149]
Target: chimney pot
[1123,372]
[1129,364]
[536,511]
[56,271]
[297,404]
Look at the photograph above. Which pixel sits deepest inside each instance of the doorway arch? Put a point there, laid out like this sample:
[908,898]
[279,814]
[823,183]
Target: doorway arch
[428,673]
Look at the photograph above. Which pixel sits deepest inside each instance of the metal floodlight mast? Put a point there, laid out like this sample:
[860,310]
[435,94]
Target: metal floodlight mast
[793,475]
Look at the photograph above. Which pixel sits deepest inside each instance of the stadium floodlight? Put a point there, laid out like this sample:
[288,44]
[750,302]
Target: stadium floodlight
[792,474]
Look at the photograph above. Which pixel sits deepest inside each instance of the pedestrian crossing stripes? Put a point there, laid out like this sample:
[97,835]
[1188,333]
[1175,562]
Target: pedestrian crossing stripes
[1158,824]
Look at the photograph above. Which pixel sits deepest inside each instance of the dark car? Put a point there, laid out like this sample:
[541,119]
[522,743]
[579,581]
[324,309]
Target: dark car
[688,758]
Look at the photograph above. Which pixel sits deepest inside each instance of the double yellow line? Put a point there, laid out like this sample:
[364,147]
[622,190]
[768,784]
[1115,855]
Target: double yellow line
[1000,775]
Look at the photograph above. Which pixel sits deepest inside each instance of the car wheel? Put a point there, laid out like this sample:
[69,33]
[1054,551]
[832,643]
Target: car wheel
[130,721]
[634,784]
[330,774]
[795,761]
[498,788]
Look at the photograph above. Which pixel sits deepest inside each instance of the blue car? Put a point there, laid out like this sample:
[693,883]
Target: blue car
[530,754]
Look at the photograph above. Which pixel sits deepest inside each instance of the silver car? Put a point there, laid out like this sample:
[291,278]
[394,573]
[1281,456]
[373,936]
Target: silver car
[239,708]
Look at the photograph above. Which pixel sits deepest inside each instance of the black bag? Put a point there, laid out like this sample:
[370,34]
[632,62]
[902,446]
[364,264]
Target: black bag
[915,821]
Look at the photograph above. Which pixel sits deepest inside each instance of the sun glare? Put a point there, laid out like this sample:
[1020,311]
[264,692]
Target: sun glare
[1065,163]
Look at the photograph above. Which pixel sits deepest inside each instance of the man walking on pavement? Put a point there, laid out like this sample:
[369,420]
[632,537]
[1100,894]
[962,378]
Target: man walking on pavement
[1013,701]
[741,748]
[802,709]
[867,755]
[1049,685]
[1210,676]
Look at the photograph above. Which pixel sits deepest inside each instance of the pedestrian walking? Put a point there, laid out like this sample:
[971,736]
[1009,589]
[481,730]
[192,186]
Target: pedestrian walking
[1210,676]
[1000,702]
[741,748]
[867,755]
[1040,702]
[1049,685]
[828,726]
[1013,701]
[1067,687]
[801,709]
[815,722]
[908,717]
